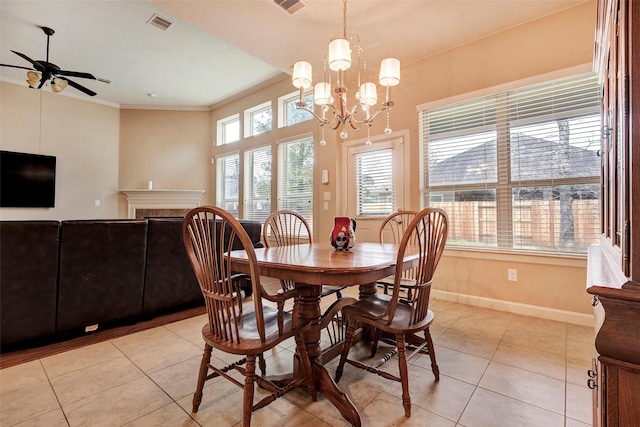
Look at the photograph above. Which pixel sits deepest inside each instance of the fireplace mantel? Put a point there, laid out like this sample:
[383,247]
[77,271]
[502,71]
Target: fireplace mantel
[161,199]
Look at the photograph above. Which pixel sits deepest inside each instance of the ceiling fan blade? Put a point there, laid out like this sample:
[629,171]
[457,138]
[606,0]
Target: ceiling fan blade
[16,66]
[22,55]
[75,74]
[79,87]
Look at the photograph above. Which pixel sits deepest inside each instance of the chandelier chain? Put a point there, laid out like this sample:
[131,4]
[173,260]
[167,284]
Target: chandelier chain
[344,19]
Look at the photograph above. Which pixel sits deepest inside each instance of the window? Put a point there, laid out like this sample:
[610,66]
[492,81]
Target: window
[229,129]
[374,182]
[289,114]
[227,177]
[257,182]
[257,119]
[519,169]
[295,177]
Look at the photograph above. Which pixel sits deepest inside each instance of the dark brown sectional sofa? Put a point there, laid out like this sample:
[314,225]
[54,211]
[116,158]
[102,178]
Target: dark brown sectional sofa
[59,277]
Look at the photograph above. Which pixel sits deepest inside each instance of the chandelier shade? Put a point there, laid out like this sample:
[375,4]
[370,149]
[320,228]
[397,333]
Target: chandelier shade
[335,112]
[390,72]
[322,94]
[339,55]
[368,94]
[302,74]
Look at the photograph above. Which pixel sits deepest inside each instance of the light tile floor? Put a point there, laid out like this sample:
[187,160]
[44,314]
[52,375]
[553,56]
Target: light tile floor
[496,369]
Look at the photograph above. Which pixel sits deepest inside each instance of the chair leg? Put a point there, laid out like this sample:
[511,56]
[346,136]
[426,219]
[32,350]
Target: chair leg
[374,342]
[432,354]
[306,364]
[351,328]
[202,377]
[404,375]
[250,377]
[262,364]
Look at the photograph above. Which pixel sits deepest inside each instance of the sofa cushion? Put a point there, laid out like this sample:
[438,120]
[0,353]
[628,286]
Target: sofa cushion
[169,282]
[101,272]
[28,280]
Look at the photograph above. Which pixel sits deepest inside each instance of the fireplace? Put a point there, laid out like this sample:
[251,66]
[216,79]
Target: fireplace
[143,203]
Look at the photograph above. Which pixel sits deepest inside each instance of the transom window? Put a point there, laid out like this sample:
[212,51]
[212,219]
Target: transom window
[229,129]
[257,119]
[518,169]
[289,114]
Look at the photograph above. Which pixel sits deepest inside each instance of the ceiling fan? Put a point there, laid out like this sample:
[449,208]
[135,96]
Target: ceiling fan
[42,71]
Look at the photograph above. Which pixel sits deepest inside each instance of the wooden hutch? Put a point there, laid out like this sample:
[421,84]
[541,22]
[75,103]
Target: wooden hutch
[614,264]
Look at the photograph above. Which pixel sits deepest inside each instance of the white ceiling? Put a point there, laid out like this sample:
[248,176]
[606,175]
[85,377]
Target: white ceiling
[217,49]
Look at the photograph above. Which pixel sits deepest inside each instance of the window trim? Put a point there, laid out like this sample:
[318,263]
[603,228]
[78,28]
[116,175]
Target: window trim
[403,197]
[280,171]
[282,107]
[247,179]
[504,185]
[221,129]
[220,197]
[249,113]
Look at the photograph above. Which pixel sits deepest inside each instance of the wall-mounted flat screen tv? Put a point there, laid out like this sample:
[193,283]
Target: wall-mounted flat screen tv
[27,180]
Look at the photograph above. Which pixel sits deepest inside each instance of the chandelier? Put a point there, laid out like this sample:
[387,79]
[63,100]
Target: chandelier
[335,113]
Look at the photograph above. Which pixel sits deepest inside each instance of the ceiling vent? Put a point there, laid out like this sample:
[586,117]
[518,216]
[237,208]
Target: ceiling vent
[160,22]
[290,6]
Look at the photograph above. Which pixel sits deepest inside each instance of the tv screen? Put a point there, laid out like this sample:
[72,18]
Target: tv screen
[27,180]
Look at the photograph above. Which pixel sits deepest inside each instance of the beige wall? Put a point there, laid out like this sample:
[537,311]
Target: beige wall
[84,138]
[170,148]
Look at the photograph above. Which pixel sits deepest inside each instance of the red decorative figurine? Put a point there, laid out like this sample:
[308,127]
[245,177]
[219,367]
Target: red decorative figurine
[343,234]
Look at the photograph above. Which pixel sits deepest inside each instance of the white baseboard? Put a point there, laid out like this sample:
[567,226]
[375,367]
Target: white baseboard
[516,307]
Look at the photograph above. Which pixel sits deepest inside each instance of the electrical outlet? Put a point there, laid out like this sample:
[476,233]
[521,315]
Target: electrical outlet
[512,275]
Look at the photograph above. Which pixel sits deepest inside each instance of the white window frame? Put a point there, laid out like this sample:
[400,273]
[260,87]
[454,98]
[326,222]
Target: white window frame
[249,174]
[504,204]
[283,101]
[397,141]
[251,113]
[284,201]
[222,126]
[221,184]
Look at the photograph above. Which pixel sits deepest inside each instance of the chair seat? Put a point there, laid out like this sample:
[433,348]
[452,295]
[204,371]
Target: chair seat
[376,305]
[250,342]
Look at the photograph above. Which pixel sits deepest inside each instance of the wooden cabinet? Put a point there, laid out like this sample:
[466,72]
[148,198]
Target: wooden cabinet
[614,264]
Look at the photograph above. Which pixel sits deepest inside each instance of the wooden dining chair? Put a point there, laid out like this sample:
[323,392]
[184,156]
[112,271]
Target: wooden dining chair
[391,231]
[208,235]
[286,228]
[426,234]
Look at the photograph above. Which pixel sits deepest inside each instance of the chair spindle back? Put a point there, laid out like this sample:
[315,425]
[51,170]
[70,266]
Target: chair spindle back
[208,235]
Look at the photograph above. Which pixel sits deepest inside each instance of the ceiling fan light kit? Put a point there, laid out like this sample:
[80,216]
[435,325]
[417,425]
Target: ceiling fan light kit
[338,59]
[44,71]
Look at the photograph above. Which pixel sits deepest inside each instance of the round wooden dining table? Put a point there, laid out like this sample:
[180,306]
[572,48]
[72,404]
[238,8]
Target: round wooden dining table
[313,265]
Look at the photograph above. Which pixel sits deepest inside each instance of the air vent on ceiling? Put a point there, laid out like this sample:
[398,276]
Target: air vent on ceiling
[290,5]
[160,22]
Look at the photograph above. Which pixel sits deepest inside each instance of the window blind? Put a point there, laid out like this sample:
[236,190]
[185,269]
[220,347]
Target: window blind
[227,183]
[295,177]
[374,182]
[257,182]
[518,169]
